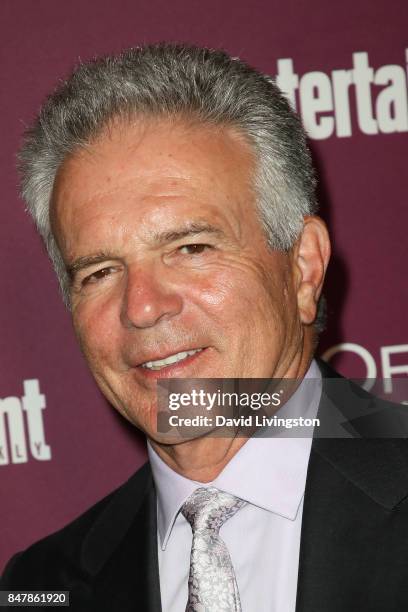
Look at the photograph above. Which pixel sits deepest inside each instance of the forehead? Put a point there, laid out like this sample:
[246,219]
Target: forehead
[151,167]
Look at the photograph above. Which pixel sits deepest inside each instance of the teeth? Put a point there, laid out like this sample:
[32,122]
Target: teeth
[161,363]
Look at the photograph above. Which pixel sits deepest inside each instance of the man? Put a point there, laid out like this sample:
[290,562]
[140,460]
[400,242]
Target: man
[174,190]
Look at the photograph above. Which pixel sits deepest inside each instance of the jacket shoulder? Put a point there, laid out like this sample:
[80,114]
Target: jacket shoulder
[56,560]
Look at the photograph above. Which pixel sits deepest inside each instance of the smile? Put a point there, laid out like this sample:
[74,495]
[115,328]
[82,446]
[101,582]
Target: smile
[171,359]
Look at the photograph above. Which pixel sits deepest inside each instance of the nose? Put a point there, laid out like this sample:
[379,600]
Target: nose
[149,298]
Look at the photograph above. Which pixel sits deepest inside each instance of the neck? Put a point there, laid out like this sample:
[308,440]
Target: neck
[203,459]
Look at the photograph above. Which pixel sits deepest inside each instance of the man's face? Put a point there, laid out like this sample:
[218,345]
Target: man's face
[157,222]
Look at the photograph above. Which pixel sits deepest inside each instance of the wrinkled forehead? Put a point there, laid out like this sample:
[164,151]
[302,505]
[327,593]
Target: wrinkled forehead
[152,161]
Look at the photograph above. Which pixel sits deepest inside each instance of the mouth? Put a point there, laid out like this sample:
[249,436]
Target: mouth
[171,365]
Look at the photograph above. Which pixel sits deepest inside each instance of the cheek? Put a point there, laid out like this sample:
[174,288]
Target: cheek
[96,331]
[215,291]
[235,297]
[217,298]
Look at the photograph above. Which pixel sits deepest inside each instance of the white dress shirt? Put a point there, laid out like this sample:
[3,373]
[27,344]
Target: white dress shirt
[263,538]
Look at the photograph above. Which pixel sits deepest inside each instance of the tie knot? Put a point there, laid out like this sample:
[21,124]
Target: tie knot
[209,508]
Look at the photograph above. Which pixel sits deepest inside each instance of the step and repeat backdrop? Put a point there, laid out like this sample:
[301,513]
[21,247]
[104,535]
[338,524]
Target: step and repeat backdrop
[343,65]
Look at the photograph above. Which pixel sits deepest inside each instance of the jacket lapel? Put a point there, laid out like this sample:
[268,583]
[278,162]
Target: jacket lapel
[353,487]
[120,552]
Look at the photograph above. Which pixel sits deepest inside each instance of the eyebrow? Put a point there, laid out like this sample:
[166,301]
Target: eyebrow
[86,261]
[159,238]
[190,229]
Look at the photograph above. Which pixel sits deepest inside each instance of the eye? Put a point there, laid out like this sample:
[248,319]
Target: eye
[193,249]
[97,276]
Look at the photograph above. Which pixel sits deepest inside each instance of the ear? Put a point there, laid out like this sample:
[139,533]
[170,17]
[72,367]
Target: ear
[310,257]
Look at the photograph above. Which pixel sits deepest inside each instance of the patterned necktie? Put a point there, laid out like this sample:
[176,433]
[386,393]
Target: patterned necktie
[212,586]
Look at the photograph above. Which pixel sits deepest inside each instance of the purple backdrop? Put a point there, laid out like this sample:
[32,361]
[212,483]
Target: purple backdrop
[345,67]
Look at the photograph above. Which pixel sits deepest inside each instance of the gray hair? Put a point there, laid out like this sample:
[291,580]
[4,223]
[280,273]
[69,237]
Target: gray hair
[173,80]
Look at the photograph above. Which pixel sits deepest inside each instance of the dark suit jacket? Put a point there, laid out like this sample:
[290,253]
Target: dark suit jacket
[354,542]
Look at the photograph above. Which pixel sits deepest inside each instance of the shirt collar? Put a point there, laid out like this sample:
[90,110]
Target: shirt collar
[267,472]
